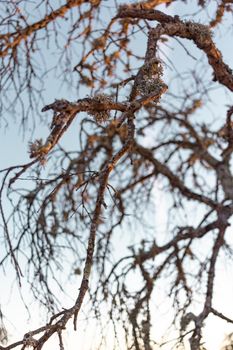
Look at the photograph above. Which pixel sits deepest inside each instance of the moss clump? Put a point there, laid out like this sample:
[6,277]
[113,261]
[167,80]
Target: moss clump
[100,110]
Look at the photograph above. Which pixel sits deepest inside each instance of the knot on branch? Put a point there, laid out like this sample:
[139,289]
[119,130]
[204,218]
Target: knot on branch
[186,319]
[28,340]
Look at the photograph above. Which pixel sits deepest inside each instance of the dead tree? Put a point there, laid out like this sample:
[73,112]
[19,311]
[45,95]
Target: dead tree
[144,124]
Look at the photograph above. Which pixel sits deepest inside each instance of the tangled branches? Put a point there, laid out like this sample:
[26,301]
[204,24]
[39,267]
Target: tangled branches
[138,136]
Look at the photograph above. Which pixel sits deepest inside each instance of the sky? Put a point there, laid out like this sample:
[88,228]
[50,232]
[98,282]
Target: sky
[14,147]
